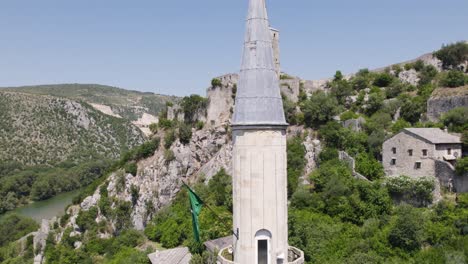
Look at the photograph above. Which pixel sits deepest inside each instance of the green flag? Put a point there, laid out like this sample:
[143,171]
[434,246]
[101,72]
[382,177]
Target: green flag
[196,205]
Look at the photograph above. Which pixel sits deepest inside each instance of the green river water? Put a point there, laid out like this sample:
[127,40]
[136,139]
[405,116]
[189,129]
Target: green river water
[46,209]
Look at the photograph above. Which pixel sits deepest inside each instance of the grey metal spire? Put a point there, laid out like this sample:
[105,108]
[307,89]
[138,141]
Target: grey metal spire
[258,99]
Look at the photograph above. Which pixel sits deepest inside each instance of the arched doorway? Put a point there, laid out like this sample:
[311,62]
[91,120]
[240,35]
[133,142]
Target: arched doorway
[263,242]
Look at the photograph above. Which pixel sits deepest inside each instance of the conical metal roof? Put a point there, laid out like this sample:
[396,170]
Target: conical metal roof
[258,99]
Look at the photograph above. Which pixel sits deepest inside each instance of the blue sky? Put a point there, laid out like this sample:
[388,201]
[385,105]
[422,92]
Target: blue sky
[177,46]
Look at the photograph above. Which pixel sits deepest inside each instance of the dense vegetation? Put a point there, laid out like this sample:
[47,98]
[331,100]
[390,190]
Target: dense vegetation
[12,228]
[37,183]
[127,104]
[44,130]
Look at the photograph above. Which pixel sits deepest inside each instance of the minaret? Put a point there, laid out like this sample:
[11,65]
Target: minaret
[259,155]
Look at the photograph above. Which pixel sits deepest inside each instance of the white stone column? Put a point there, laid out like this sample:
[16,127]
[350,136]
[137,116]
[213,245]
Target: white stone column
[260,192]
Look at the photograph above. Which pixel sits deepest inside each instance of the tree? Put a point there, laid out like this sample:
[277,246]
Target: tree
[169,138]
[340,88]
[153,127]
[453,55]
[454,78]
[289,110]
[296,162]
[361,80]
[428,74]
[406,232]
[399,125]
[412,109]
[374,103]
[456,119]
[368,166]
[215,82]
[462,166]
[383,79]
[131,168]
[220,189]
[13,227]
[319,109]
[185,133]
[192,106]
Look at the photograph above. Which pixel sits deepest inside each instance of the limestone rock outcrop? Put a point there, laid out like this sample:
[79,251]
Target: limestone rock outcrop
[445,99]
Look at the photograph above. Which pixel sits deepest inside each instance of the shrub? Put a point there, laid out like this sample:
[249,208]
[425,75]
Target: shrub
[361,80]
[383,79]
[86,220]
[453,55]
[13,227]
[453,78]
[289,108]
[319,109]
[414,191]
[169,155]
[221,189]
[296,162]
[368,166]
[191,106]
[215,82]
[135,193]
[165,123]
[285,76]
[462,166]
[340,88]
[456,119]
[146,149]
[131,168]
[185,133]
[406,233]
[328,154]
[396,88]
[153,127]
[169,138]
[418,65]
[199,125]
[399,125]
[427,75]
[411,110]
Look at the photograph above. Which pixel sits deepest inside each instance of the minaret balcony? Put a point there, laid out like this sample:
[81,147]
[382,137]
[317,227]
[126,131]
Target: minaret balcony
[295,256]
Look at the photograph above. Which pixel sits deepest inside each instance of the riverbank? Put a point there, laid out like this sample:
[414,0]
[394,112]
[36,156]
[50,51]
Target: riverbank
[46,209]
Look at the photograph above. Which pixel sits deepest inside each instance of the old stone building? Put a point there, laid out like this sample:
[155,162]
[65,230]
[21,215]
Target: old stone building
[415,151]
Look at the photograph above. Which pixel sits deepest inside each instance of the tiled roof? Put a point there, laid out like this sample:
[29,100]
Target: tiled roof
[434,135]
[218,244]
[171,256]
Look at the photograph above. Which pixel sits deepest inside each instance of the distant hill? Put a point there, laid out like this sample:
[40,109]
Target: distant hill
[43,129]
[127,104]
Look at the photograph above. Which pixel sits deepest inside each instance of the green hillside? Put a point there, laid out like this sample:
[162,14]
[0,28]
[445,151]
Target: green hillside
[128,104]
[46,130]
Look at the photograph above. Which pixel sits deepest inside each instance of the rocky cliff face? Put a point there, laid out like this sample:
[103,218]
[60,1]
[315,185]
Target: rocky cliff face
[158,179]
[445,99]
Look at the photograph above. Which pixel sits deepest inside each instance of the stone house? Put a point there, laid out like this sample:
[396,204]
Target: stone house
[416,152]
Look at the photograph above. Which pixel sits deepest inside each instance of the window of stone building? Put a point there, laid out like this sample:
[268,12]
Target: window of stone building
[410,152]
[449,151]
[424,152]
[394,150]
[393,161]
[417,165]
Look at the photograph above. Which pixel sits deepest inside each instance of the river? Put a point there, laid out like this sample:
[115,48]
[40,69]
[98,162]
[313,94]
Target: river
[46,209]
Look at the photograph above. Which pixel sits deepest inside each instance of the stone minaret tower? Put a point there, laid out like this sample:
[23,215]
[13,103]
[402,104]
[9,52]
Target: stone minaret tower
[259,155]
